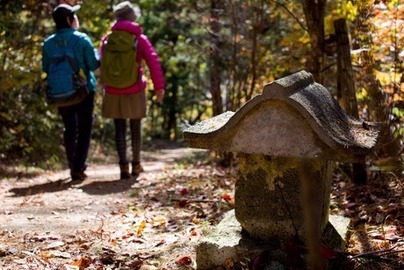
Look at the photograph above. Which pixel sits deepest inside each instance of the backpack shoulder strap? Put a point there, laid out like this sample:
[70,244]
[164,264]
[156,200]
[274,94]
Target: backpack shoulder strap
[70,43]
[121,37]
[75,39]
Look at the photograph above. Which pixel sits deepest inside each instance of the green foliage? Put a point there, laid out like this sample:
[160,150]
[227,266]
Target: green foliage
[177,37]
[377,36]
[27,126]
[258,41]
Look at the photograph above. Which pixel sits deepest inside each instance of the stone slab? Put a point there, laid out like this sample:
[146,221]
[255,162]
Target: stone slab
[336,232]
[227,243]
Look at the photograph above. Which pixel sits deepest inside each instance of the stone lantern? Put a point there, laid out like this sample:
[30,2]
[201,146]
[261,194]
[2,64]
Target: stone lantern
[287,139]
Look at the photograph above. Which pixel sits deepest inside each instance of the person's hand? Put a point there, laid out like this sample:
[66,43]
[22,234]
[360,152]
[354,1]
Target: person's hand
[160,95]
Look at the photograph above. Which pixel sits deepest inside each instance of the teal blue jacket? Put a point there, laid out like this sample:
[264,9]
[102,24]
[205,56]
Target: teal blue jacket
[84,51]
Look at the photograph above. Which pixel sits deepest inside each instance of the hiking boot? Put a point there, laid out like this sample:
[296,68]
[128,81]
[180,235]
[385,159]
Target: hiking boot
[124,171]
[78,176]
[137,168]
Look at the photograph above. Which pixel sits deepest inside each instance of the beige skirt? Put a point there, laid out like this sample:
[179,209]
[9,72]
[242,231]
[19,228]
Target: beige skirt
[132,106]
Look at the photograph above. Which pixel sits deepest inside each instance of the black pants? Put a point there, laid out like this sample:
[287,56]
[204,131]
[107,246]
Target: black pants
[78,126]
[120,139]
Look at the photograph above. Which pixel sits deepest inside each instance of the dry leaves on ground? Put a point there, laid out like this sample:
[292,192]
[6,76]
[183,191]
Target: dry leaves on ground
[165,214]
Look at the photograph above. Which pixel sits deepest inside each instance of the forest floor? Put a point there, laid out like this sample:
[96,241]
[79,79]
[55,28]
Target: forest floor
[155,221]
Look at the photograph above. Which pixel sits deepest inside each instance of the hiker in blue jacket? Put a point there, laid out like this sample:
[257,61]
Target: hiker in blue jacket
[77,119]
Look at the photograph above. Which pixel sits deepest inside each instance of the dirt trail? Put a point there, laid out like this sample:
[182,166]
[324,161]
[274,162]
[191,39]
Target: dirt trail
[155,221]
[48,223]
[50,203]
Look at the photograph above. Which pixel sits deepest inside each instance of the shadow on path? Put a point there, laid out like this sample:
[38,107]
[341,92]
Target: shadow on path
[104,179]
[54,186]
[92,188]
[108,187]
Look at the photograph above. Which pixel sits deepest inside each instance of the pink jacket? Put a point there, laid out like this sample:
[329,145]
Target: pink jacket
[145,51]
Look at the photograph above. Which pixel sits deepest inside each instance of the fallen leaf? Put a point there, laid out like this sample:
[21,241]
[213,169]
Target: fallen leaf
[379,218]
[142,226]
[71,267]
[145,256]
[97,264]
[158,222]
[85,245]
[350,205]
[7,251]
[83,262]
[226,197]
[391,237]
[43,237]
[135,264]
[228,264]
[182,203]
[327,252]
[196,220]
[55,254]
[148,267]
[161,242]
[54,245]
[184,260]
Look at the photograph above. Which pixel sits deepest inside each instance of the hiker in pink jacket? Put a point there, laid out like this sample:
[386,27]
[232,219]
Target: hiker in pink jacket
[130,102]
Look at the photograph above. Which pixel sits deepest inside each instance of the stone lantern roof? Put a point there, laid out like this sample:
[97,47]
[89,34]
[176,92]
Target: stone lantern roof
[293,117]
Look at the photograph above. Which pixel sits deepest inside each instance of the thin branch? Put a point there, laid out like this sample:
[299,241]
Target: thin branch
[327,67]
[379,252]
[288,210]
[195,200]
[290,13]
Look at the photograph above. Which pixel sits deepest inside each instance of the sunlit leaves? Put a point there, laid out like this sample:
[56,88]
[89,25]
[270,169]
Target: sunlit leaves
[180,32]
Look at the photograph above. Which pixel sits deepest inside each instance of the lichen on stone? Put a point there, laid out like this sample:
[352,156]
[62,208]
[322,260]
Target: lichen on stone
[274,167]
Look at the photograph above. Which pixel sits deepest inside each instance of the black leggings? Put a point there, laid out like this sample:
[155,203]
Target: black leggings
[120,139]
[78,126]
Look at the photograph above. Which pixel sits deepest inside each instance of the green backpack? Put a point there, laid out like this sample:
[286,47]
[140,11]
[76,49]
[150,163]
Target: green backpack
[119,68]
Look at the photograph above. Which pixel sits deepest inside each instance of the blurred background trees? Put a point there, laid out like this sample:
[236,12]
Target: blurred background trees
[216,55]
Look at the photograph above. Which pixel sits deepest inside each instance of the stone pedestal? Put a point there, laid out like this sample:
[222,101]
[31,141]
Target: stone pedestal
[269,196]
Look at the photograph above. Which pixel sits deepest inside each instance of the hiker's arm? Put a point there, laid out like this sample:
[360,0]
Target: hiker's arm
[45,60]
[153,63]
[90,55]
[102,46]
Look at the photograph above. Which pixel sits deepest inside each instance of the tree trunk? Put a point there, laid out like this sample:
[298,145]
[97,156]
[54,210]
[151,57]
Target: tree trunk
[314,13]
[346,84]
[217,105]
[257,26]
[232,102]
[346,88]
